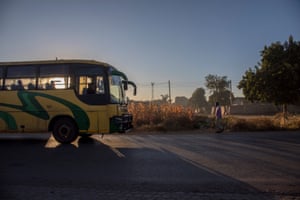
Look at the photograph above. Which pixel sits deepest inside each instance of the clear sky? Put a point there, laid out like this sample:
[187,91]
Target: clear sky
[150,40]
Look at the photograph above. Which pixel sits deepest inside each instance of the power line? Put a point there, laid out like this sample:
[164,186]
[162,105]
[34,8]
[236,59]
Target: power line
[186,88]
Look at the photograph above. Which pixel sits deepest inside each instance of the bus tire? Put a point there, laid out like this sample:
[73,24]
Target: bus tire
[65,130]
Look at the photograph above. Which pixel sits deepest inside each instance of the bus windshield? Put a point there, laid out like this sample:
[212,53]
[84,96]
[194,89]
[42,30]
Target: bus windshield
[117,94]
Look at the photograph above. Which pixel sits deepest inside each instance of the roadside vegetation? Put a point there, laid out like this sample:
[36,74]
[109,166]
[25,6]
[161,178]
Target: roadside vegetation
[169,117]
[262,123]
[165,117]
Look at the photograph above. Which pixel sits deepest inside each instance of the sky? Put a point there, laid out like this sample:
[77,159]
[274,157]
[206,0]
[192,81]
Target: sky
[152,41]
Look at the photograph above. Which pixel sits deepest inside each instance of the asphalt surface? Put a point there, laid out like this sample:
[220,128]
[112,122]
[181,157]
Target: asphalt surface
[259,165]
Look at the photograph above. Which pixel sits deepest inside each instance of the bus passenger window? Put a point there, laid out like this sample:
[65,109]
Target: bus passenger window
[50,86]
[20,85]
[100,85]
[31,86]
[51,83]
[91,88]
[90,85]
[1,80]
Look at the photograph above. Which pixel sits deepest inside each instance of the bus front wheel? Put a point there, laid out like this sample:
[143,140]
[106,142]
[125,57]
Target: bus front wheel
[65,130]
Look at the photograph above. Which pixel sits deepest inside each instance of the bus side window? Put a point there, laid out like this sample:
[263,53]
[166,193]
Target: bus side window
[15,84]
[19,77]
[90,85]
[20,85]
[31,86]
[84,85]
[13,87]
[1,76]
[50,86]
[100,85]
[91,89]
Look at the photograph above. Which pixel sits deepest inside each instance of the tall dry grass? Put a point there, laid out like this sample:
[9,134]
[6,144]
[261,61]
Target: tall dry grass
[262,123]
[161,117]
[169,117]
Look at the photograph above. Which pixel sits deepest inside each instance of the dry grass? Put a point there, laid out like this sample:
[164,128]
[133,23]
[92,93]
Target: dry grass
[250,124]
[263,123]
[168,117]
[161,117]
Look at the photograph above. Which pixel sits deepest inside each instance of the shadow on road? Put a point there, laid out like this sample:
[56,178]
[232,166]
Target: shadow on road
[94,168]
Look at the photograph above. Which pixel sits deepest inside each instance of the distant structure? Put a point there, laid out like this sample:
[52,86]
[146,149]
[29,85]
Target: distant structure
[183,101]
[241,106]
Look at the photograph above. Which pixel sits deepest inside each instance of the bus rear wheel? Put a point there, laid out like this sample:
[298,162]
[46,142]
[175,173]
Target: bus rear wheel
[65,130]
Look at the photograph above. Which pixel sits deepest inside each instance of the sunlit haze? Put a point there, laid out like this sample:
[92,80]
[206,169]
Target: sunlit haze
[152,41]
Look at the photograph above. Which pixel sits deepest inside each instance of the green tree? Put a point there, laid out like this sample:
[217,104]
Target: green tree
[276,79]
[219,88]
[198,100]
[223,97]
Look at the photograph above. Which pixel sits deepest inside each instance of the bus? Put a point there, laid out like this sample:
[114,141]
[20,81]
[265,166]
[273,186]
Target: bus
[66,97]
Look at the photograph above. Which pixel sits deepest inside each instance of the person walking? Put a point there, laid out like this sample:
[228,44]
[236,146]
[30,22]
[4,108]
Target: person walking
[218,115]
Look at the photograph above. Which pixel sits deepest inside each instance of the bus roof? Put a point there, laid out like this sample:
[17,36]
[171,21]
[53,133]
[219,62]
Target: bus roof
[67,61]
[57,61]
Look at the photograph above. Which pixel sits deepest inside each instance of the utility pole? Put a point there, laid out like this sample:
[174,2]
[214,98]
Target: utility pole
[230,87]
[152,91]
[170,99]
[230,97]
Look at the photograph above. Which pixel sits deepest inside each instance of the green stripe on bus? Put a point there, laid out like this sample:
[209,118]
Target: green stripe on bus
[9,120]
[31,106]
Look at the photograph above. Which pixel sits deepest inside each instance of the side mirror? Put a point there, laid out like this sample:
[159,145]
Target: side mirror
[125,84]
[134,87]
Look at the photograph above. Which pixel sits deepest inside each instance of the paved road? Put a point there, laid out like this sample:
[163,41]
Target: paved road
[260,165]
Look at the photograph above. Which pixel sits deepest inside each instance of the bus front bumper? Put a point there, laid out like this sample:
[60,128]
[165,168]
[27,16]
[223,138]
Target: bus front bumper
[121,124]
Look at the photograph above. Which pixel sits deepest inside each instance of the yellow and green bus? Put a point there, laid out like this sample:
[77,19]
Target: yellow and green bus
[66,97]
